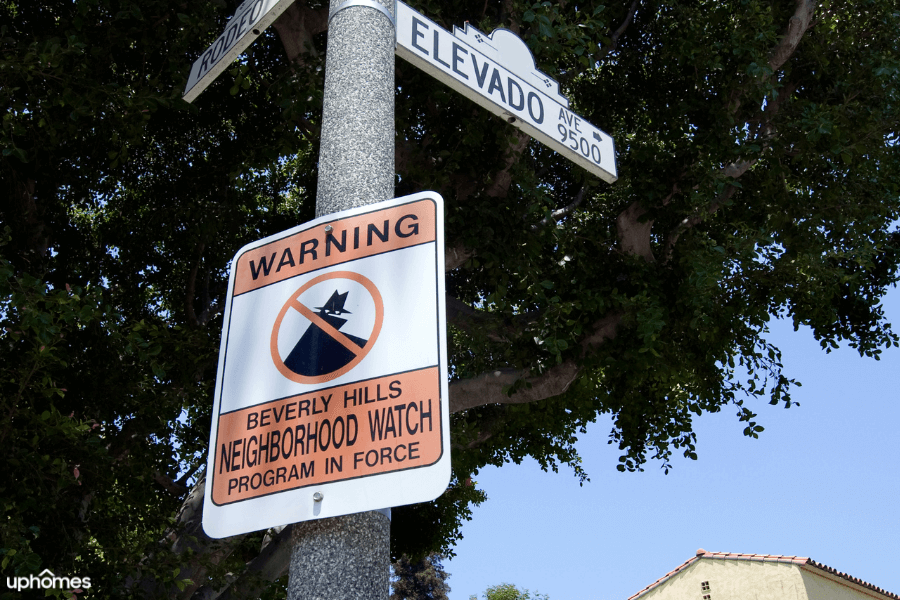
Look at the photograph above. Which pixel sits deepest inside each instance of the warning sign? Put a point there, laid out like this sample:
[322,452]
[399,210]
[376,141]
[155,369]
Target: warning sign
[331,395]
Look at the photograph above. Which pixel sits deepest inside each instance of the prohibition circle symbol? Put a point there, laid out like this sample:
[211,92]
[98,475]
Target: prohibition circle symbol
[323,352]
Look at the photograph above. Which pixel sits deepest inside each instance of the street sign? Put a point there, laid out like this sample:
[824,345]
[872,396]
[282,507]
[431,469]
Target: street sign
[498,72]
[331,391]
[248,22]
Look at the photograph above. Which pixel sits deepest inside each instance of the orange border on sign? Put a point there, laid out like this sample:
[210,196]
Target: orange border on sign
[292,302]
[422,211]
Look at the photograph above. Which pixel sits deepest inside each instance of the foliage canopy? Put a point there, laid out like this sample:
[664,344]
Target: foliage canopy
[758,157]
[423,579]
[507,591]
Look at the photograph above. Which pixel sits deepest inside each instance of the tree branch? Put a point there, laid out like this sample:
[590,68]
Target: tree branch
[456,257]
[797,26]
[491,387]
[296,27]
[185,536]
[28,214]
[487,428]
[562,212]
[509,9]
[170,485]
[191,287]
[497,328]
[734,170]
[695,219]
[633,233]
[614,39]
[270,564]
[499,187]
[183,480]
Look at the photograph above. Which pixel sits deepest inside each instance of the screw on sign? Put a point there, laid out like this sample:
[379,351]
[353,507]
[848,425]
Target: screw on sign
[324,352]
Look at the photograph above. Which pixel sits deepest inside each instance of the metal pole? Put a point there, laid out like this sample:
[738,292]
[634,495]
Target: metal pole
[349,557]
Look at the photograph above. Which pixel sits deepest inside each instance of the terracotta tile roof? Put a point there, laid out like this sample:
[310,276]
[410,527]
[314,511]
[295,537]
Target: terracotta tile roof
[855,580]
[797,560]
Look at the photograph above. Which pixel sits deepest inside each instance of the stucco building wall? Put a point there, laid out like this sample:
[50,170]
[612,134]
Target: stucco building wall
[822,587]
[733,580]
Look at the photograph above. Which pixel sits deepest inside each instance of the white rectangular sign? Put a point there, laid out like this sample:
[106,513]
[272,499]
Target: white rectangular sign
[248,22]
[331,391]
[498,72]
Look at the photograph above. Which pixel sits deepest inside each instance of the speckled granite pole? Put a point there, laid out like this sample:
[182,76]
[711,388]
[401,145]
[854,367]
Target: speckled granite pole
[356,158]
[343,558]
[348,558]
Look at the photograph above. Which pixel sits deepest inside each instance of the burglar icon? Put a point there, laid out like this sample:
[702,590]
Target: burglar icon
[325,337]
[318,352]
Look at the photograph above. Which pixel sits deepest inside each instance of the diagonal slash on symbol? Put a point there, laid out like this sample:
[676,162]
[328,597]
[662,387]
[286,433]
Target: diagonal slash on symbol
[325,326]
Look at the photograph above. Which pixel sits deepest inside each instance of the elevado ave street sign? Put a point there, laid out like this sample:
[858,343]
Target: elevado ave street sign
[331,390]
[498,72]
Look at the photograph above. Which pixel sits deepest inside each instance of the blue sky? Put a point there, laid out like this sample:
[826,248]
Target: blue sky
[823,481]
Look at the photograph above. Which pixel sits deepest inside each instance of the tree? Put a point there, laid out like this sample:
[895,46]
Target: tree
[507,591]
[424,579]
[758,159]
